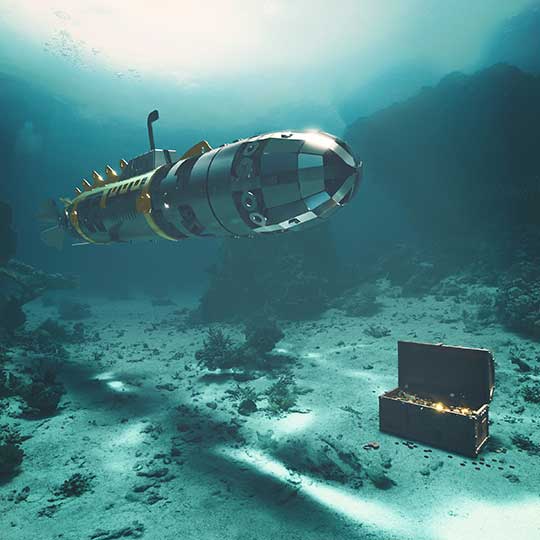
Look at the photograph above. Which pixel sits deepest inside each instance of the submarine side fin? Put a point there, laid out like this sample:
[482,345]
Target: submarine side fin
[53,237]
[197,150]
[48,212]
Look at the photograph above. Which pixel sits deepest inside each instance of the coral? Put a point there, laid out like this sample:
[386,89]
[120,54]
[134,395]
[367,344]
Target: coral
[74,311]
[75,486]
[11,457]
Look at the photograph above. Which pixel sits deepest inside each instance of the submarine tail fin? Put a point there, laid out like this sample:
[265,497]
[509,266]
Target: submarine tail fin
[54,237]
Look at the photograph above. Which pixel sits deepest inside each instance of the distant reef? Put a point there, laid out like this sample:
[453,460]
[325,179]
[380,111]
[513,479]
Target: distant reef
[455,169]
[7,234]
[453,180]
[288,276]
[517,41]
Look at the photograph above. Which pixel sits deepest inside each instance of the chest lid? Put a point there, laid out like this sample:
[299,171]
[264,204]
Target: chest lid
[457,376]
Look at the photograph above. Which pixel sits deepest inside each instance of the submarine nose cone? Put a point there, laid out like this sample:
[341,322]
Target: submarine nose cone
[341,170]
[329,174]
[304,176]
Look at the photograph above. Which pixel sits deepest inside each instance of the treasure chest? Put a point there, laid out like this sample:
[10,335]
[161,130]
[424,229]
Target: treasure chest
[442,398]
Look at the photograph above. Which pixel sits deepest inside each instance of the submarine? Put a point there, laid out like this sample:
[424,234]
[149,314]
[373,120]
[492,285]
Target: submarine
[266,184]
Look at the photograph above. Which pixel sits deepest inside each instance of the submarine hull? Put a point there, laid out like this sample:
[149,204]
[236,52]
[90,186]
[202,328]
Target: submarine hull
[266,184]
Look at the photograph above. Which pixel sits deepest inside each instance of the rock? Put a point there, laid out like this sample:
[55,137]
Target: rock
[380,480]
[154,473]
[11,457]
[135,530]
[247,407]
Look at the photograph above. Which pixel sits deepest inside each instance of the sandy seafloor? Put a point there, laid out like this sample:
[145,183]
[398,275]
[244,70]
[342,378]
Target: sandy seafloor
[136,404]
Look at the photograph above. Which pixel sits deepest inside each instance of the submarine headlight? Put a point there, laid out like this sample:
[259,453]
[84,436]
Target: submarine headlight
[439,407]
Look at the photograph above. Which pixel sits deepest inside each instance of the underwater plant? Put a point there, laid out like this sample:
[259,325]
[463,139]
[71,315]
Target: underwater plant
[218,351]
[282,395]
